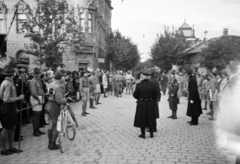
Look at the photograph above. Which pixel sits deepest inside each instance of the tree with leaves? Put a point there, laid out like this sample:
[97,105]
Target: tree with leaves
[52,29]
[220,52]
[121,51]
[168,49]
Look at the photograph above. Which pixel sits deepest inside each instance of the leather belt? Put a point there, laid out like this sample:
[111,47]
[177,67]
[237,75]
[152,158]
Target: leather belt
[142,99]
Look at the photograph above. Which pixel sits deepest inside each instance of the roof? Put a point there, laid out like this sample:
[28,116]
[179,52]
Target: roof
[185,26]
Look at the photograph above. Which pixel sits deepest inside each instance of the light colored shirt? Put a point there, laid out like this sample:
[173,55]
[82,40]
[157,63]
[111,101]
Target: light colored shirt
[8,91]
[36,87]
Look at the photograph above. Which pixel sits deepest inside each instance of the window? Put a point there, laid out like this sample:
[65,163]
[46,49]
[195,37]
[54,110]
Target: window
[2,24]
[21,19]
[89,23]
[82,22]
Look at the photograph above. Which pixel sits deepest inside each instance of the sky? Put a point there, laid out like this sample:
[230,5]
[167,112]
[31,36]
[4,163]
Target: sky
[142,20]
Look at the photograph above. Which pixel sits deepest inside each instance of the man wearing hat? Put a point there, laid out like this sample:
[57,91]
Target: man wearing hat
[173,96]
[146,95]
[36,99]
[194,109]
[56,96]
[84,90]
[8,113]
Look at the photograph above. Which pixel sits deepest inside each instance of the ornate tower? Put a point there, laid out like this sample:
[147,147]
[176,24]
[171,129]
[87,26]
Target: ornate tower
[188,31]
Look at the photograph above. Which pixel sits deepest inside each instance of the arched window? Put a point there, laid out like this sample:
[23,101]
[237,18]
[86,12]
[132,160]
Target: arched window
[89,23]
[3,20]
[82,22]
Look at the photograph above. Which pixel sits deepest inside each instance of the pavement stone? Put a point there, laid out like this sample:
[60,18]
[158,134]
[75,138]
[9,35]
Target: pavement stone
[107,136]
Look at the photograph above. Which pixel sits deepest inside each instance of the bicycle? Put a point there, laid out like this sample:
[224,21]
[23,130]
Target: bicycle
[66,125]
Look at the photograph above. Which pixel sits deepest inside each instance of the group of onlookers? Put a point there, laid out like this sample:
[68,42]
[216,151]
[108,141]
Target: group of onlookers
[39,92]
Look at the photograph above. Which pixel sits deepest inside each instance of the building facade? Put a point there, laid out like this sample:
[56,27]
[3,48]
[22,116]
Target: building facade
[94,17]
[95,20]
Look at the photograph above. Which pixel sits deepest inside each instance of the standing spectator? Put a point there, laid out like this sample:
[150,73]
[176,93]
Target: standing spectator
[8,112]
[98,87]
[129,80]
[92,90]
[43,112]
[36,100]
[56,96]
[173,97]
[153,79]
[194,109]
[84,90]
[146,94]
[18,83]
[164,83]
[105,83]
[205,91]
[110,84]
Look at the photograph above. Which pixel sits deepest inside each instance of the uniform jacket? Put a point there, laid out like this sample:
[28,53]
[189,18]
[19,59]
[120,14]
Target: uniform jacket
[146,95]
[173,94]
[164,82]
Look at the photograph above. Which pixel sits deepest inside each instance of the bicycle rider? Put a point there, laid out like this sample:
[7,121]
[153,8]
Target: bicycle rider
[56,98]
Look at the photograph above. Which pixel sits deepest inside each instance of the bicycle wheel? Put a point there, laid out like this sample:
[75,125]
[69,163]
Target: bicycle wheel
[71,130]
[62,135]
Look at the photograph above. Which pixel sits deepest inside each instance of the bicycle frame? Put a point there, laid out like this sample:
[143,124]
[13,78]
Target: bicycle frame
[66,117]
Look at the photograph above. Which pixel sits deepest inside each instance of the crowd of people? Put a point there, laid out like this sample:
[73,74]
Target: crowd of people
[27,96]
[216,91]
[39,92]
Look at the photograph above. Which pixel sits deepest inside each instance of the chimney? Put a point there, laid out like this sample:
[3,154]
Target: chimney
[225,31]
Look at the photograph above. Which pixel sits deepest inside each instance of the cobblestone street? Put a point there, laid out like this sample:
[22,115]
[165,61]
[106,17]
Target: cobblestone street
[107,136]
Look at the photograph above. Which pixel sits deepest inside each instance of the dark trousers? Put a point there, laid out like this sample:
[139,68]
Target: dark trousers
[144,128]
[195,120]
[36,120]
[42,116]
[17,130]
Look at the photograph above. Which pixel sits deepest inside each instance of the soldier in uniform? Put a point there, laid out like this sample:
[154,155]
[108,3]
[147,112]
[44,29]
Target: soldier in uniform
[56,96]
[110,85]
[8,112]
[84,90]
[115,83]
[146,95]
[173,96]
[164,83]
[92,89]
[119,84]
[36,99]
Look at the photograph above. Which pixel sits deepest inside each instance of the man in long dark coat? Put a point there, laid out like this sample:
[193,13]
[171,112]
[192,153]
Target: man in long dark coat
[154,80]
[164,83]
[194,109]
[146,94]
